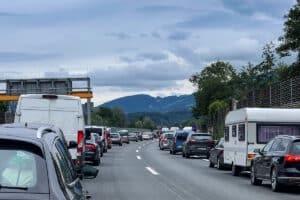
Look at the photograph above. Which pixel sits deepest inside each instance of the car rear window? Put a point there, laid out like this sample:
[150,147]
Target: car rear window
[169,136]
[24,167]
[182,136]
[295,150]
[202,137]
[114,135]
[93,130]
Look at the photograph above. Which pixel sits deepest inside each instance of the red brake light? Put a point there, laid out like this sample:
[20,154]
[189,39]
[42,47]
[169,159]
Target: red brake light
[90,147]
[80,138]
[292,158]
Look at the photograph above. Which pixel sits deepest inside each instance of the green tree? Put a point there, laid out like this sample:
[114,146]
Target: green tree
[215,82]
[290,41]
[3,106]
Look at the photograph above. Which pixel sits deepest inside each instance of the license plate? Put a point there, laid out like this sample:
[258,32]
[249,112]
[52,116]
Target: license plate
[179,146]
[202,148]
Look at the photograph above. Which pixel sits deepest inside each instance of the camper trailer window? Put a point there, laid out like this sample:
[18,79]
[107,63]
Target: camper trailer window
[242,132]
[226,135]
[265,133]
[233,130]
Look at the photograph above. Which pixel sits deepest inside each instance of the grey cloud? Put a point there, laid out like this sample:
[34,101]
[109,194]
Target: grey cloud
[144,56]
[143,35]
[156,35]
[22,56]
[159,9]
[178,36]
[153,56]
[119,35]
[152,76]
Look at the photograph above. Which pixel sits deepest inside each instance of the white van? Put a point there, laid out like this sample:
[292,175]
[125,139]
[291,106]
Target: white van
[251,128]
[62,111]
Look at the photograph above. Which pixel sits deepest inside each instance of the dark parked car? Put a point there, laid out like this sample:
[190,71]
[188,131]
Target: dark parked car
[216,156]
[178,140]
[37,165]
[166,141]
[116,139]
[198,144]
[278,161]
[133,137]
[92,149]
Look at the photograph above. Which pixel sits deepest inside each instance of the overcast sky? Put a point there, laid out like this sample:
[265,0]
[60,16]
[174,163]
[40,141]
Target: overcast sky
[133,46]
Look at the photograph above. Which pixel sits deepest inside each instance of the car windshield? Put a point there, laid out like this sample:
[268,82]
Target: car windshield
[169,136]
[88,131]
[23,168]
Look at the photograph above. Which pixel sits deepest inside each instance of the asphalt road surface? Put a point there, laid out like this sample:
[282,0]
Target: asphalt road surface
[140,171]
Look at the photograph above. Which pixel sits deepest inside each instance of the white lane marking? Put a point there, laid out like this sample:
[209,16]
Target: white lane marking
[206,160]
[138,157]
[152,171]
[140,147]
[137,151]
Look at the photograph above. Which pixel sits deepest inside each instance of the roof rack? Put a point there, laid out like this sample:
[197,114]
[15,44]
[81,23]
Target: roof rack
[42,131]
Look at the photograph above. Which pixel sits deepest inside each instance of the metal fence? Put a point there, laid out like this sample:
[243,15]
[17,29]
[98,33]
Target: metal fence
[284,94]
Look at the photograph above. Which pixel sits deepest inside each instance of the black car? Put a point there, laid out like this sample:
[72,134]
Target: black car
[37,165]
[279,162]
[178,140]
[216,156]
[198,144]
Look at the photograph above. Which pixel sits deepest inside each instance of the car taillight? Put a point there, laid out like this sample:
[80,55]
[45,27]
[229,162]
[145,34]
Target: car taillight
[165,141]
[90,147]
[191,141]
[80,141]
[251,156]
[292,158]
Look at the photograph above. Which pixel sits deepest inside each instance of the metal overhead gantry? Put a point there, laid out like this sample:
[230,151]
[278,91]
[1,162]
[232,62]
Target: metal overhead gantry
[81,87]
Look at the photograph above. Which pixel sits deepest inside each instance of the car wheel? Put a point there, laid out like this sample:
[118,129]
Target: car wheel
[235,170]
[174,152]
[211,164]
[187,155]
[183,154]
[254,180]
[120,144]
[101,154]
[97,161]
[219,165]
[276,187]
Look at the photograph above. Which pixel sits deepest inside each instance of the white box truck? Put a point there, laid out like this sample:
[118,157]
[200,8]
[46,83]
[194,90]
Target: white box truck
[65,112]
[251,128]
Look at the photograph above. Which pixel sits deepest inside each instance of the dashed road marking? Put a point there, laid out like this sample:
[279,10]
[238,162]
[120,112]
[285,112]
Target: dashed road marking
[140,147]
[138,157]
[206,160]
[137,151]
[152,171]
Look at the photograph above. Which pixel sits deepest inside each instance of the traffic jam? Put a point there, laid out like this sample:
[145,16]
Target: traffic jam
[49,151]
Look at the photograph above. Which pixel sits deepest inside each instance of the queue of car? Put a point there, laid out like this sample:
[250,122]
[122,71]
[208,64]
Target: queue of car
[262,141]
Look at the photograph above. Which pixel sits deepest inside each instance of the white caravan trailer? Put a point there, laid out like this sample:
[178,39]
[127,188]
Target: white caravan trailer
[251,128]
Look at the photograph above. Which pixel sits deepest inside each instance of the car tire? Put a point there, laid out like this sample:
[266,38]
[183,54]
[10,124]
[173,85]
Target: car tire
[235,170]
[101,154]
[187,155]
[276,187]
[120,144]
[171,152]
[211,164]
[109,147]
[97,161]
[254,180]
[183,154]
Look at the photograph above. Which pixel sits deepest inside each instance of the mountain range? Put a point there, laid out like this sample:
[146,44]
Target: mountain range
[148,104]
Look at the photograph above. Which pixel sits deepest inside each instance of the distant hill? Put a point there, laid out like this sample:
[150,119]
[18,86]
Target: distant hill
[166,119]
[145,103]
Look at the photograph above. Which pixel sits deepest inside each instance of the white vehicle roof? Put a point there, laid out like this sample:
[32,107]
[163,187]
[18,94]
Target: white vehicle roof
[263,115]
[40,96]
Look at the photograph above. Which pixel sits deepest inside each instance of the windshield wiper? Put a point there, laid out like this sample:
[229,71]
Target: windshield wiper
[13,187]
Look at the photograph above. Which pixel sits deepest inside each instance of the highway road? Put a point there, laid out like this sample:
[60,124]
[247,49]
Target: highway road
[140,171]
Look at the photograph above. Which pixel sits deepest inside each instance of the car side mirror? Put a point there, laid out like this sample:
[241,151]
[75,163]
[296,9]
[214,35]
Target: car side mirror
[257,151]
[89,172]
[72,144]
